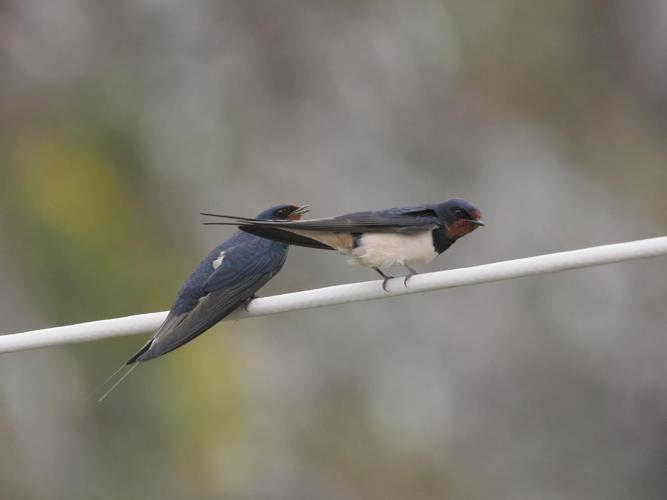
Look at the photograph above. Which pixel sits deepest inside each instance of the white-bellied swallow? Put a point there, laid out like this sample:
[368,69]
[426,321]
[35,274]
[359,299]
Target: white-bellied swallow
[377,239]
[226,279]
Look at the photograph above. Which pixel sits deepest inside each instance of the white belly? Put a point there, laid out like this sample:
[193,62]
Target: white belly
[388,249]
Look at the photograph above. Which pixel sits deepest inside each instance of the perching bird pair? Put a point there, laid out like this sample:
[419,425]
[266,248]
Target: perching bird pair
[233,272]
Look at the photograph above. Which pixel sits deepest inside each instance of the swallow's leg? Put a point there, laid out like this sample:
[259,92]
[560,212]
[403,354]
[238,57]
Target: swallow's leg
[386,278]
[248,301]
[410,275]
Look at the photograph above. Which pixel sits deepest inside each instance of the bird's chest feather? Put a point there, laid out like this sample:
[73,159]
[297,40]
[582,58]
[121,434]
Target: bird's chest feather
[387,249]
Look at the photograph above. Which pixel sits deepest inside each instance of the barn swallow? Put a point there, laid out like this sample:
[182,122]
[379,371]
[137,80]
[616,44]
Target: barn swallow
[226,279]
[377,239]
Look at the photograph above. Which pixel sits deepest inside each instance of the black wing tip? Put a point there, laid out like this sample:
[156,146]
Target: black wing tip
[223,223]
[232,217]
[139,355]
[282,236]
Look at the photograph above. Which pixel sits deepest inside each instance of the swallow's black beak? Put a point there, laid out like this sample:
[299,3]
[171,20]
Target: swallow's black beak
[477,222]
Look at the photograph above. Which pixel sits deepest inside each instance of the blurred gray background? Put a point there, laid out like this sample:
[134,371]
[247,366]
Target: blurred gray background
[121,121]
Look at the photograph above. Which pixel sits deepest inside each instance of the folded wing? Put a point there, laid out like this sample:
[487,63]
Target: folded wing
[237,279]
[338,232]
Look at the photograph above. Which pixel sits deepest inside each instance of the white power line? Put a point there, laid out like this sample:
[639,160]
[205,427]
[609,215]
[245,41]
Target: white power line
[353,292]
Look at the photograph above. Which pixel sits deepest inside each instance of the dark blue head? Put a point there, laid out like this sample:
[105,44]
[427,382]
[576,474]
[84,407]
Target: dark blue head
[459,217]
[283,212]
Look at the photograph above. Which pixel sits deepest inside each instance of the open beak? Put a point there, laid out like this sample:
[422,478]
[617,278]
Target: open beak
[303,209]
[298,212]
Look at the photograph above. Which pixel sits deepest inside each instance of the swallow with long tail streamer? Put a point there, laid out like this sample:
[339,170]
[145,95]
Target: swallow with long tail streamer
[376,239]
[225,280]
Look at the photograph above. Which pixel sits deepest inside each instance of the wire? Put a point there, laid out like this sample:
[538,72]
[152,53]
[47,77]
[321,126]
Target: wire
[353,292]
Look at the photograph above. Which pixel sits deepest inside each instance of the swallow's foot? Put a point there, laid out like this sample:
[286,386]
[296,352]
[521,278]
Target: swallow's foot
[386,278]
[410,275]
[247,302]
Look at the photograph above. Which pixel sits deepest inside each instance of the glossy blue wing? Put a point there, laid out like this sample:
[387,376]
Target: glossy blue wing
[239,271]
[410,219]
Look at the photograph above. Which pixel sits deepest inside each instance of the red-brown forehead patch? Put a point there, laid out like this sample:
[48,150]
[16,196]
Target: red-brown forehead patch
[476,214]
[460,228]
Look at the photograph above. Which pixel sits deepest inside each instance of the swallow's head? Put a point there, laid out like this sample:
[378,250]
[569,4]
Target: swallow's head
[284,212]
[459,218]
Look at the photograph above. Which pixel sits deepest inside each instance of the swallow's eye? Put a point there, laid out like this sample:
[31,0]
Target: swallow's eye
[459,212]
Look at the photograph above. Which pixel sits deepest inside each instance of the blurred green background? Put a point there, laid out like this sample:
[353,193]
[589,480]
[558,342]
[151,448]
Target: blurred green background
[121,121]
